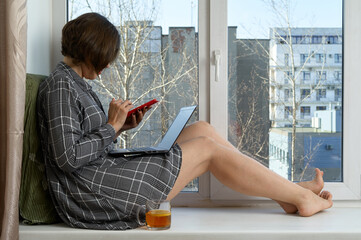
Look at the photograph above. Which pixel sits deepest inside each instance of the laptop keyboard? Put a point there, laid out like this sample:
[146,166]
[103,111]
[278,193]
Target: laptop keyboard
[141,149]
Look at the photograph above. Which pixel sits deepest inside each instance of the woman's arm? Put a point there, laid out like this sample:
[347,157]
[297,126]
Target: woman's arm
[71,147]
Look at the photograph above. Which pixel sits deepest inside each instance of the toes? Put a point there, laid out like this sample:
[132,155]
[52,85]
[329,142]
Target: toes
[325,195]
[318,172]
[328,195]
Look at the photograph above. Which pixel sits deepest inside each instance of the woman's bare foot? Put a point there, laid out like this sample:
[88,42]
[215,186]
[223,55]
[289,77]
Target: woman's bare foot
[313,203]
[316,185]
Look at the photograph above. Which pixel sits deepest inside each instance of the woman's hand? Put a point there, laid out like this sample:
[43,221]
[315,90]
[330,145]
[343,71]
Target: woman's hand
[117,113]
[133,120]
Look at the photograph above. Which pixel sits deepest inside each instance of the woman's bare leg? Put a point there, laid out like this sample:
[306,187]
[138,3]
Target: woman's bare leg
[202,128]
[242,174]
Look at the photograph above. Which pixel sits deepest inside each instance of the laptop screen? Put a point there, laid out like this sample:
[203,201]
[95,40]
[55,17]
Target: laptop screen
[177,126]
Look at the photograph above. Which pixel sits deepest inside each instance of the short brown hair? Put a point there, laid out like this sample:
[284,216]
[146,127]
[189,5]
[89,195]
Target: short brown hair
[90,39]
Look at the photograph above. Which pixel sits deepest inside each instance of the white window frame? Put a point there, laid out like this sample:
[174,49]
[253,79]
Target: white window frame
[350,188]
[213,96]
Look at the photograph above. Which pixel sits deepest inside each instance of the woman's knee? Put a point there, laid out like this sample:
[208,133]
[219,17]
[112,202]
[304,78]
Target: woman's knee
[202,145]
[209,146]
[203,126]
[198,151]
[206,140]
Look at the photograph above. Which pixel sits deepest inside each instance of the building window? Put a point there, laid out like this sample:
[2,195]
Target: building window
[298,39]
[283,40]
[287,59]
[332,40]
[321,108]
[287,77]
[288,112]
[306,77]
[338,76]
[288,94]
[338,58]
[321,94]
[305,112]
[303,58]
[317,39]
[338,95]
[305,94]
[321,77]
[320,58]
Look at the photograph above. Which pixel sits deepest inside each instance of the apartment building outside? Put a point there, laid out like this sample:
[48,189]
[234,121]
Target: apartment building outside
[306,74]
[310,58]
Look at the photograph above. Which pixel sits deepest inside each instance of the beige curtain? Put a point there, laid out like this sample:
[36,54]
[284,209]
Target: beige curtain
[13,26]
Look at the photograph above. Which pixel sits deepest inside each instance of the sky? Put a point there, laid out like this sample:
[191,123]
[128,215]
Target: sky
[252,17]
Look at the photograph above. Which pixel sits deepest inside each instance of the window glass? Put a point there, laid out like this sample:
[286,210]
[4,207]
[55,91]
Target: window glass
[304,58]
[321,93]
[284,109]
[316,39]
[338,58]
[158,59]
[320,58]
[288,112]
[306,77]
[305,93]
[287,94]
[287,75]
[286,59]
[320,108]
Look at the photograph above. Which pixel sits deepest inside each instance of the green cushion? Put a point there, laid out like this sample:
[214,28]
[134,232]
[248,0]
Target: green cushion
[35,202]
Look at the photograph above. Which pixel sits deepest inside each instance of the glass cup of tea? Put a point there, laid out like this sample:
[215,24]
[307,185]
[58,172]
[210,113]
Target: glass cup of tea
[157,215]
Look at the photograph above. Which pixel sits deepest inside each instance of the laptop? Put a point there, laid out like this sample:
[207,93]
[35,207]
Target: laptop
[168,140]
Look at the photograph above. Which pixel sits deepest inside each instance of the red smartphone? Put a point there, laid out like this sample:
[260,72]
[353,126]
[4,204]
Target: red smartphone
[151,102]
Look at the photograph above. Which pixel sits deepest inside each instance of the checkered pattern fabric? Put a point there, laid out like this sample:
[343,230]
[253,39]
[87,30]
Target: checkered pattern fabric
[89,188]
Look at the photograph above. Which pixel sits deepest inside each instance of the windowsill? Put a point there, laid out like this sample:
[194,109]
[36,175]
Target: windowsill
[260,222]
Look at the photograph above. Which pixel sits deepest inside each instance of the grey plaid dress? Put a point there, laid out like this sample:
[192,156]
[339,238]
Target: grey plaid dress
[89,188]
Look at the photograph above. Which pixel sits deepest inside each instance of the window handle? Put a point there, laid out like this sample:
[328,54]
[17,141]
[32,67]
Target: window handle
[217,62]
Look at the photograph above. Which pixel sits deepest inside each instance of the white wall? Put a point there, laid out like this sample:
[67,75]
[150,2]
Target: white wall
[44,34]
[39,37]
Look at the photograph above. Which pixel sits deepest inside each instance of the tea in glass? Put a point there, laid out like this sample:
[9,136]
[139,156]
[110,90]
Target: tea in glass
[158,215]
[158,219]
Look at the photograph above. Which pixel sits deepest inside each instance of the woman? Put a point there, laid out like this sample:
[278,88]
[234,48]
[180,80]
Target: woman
[91,189]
